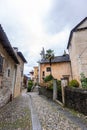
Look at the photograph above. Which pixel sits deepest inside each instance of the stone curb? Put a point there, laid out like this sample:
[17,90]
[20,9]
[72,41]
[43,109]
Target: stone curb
[35,121]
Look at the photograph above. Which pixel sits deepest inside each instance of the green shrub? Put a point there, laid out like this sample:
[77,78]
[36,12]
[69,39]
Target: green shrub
[50,85]
[59,85]
[83,81]
[74,83]
[30,84]
[48,78]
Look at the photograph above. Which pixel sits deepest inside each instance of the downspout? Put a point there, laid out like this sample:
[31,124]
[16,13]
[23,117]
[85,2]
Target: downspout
[15,68]
[39,73]
[71,71]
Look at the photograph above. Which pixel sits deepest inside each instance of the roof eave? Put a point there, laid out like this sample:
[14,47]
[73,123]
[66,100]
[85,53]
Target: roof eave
[73,30]
[54,62]
[6,44]
[70,37]
[22,57]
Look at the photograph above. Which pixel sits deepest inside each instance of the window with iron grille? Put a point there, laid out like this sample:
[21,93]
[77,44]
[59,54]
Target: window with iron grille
[1,64]
[48,69]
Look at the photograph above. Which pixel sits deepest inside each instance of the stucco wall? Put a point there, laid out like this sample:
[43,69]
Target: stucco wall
[83,25]
[35,74]
[78,54]
[58,70]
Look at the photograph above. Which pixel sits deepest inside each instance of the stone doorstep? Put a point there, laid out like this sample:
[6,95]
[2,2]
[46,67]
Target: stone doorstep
[4,99]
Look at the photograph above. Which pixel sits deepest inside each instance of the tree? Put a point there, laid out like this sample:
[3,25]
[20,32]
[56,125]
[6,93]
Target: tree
[50,56]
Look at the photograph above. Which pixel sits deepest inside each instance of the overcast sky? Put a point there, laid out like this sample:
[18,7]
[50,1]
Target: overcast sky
[33,24]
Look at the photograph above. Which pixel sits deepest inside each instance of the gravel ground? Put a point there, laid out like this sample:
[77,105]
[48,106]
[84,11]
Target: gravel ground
[16,115]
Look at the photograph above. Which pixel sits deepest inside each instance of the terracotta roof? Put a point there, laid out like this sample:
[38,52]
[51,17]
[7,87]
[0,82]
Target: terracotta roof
[22,57]
[57,59]
[6,44]
[76,29]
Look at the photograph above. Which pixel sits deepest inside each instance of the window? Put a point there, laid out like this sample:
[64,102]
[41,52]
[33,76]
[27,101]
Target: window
[21,73]
[48,69]
[1,64]
[8,72]
[43,73]
[65,76]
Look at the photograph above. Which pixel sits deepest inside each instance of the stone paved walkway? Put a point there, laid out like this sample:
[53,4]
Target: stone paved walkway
[20,114]
[16,115]
[54,117]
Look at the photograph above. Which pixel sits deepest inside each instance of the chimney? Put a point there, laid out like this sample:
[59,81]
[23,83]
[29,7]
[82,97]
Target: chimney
[15,49]
[64,53]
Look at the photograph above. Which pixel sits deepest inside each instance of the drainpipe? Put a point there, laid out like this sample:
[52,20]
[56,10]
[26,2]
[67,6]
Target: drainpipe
[39,73]
[71,70]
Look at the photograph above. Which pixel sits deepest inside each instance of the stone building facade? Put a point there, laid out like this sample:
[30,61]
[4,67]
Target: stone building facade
[77,46]
[11,69]
[7,75]
[8,63]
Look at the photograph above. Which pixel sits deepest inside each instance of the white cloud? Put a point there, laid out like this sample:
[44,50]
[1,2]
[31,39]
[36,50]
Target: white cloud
[22,21]
[24,24]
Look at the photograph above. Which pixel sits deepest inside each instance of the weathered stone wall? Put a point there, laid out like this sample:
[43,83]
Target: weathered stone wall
[15,81]
[19,77]
[5,95]
[46,92]
[8,63]
[0,81]
[76,99]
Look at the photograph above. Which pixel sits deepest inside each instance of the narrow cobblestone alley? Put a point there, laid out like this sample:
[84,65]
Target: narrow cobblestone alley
[31,111]
[16,115]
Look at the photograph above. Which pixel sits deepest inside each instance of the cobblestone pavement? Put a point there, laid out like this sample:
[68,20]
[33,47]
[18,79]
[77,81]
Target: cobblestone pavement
[54,117]
[16,114]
